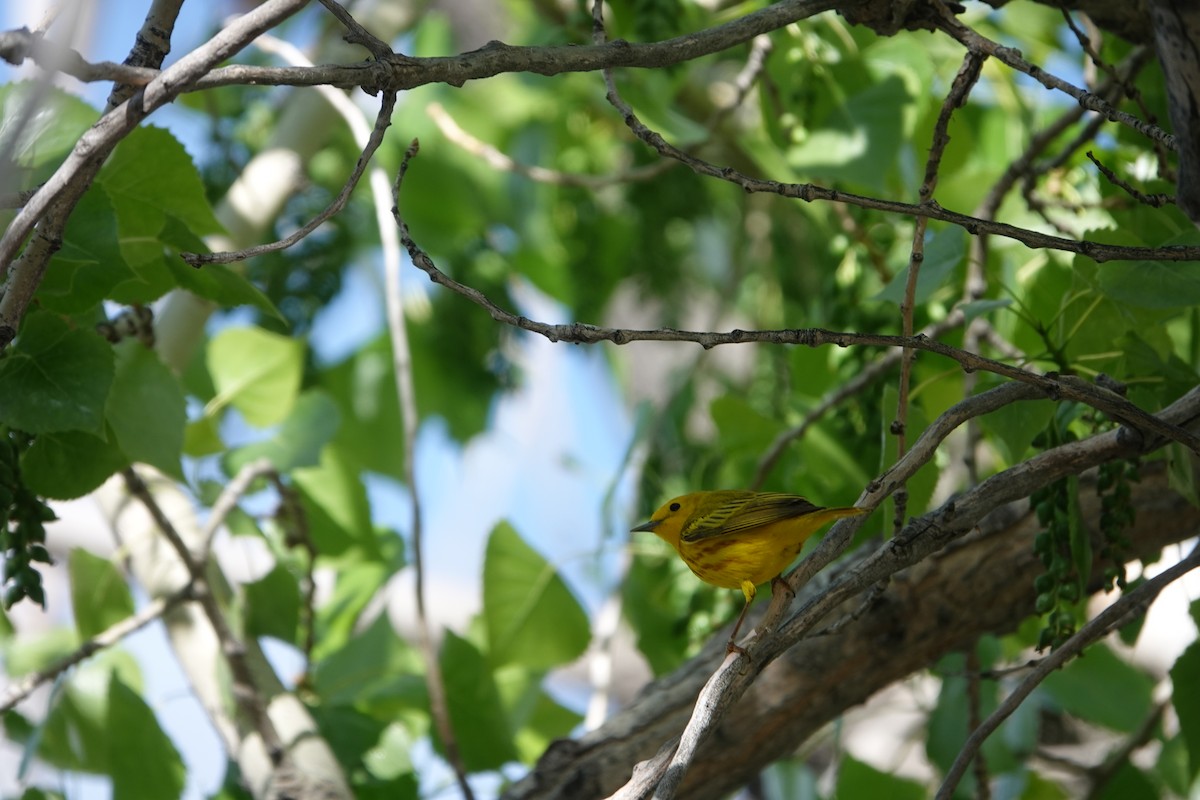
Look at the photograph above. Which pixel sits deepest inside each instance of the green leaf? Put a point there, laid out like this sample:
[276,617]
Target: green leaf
[1185,678]
[359,581]
[856,779]
[364,388]
[476,715]
[1127,782]
[90,263]
[143,762]
[945,250]
[1153,284]
[741,426]
[44,137]
[218,283]
[146,408]
[532,618]
[99,595]
[298,441]
[62,466]
[1015,425]
[202,437]
[535,718]
[1084,688]
[256,371]
[151,176]
[390,758]
[859,141]
[376,669]
[979,308]
[1172,765]
[273,605]
[55,378]
[335,500]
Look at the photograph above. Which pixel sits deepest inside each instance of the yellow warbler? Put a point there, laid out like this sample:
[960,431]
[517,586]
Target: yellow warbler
[739,539]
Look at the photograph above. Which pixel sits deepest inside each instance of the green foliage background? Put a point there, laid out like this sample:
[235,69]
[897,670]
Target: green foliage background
[835,105]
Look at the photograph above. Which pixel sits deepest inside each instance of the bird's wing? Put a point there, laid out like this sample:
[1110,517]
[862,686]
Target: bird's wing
[743,512]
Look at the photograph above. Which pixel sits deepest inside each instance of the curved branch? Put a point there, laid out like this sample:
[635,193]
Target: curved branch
[979,585]
[1132,603]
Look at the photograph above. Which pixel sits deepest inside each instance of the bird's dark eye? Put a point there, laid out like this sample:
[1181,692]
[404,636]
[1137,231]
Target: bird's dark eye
[674,506]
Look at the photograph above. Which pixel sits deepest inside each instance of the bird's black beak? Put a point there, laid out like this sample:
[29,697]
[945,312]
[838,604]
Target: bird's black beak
[646,526]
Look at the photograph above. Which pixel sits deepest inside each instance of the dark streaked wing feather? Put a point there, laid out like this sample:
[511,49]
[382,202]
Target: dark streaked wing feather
[752,511]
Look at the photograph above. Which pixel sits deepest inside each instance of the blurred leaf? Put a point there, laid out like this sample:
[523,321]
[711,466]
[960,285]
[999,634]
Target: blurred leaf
[1084,688]
[99,595]
[1172,766]
[856,779]
[257,372]
[742,428]
[656,598]
[335,500]
[947,728]
[62,466]
[1154,284]
[273,605]
[1015,426]
[142,760]
[376,669]
[1185,680]
[476,716]
[535,718]
[364,388]
[202,437]
[357,583]
[980,308]
[945,251]
[298,440]
[55,378]
[39,124]
[1128,782]
[146,408]
[859,141]
[532,618]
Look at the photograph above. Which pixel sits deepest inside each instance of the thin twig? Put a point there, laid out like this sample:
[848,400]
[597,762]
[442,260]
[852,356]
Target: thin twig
[983,791]
[408,411]
[1100,775]
[1152,200]
[972,40]
[863,378]
[382,121]
[245,686]
[23,687]
[1132,603]
[357,34]
[51,207]
[1063,387]
[960,89]
[228,499]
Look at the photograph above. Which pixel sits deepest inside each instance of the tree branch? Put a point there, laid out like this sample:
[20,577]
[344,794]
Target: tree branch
[1131,604]
[981,584]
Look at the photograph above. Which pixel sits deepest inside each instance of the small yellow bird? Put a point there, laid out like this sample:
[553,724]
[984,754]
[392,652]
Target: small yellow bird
[739,539]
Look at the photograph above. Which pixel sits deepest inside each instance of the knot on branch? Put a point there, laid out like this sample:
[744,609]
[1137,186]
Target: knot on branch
[889,17]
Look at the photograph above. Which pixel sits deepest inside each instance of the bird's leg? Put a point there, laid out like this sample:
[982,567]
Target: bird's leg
[730,647]
[748,590]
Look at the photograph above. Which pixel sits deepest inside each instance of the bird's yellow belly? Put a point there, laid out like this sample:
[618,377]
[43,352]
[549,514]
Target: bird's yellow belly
[729,561]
